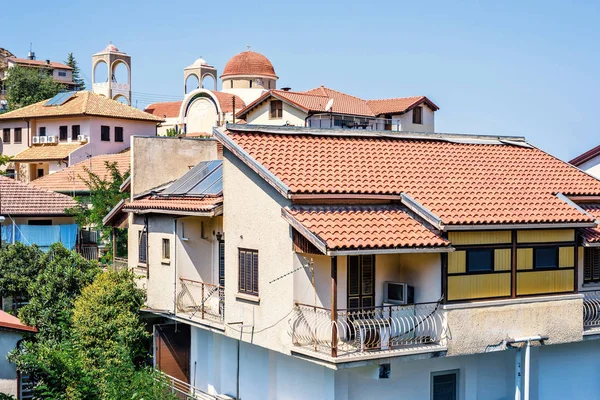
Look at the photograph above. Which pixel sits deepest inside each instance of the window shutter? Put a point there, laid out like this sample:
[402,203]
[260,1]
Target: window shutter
[255,272]
[367,275]
[353,276]
[241,274]
[142,249]
[248,272]
[222,263]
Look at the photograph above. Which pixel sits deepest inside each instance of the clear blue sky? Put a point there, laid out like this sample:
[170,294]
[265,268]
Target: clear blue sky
[508,67]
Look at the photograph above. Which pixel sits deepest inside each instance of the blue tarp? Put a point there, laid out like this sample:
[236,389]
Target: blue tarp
[42,235]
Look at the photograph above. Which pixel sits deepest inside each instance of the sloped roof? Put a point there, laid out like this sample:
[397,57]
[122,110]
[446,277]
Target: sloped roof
[591,235]
[69,179]
[170,109]
[365,227]
[461,181]
[22,199]
[588,155]
[38,63]
[82,103]
[11,322]
[47,152]
[175,203]
[315,100]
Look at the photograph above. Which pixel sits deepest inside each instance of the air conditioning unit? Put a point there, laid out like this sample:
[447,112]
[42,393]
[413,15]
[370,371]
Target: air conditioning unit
[82,138]
[372,334]
[398,293]
[43,139]
[52,139]
[36,140]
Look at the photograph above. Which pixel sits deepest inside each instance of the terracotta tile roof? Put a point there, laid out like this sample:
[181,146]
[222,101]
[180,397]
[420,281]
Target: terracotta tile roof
[47,152]
[12,322]
[22,199]
[170,109]
[591,235]
[461,183]
[249,63]
[38,63]
[69,179]
[82,103]
[362,227]
[398,105]
[184,204]
[315,100]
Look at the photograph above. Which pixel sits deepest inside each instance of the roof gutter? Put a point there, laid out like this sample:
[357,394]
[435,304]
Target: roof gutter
[251,162]
[399,250]
[171,212]
[559,225]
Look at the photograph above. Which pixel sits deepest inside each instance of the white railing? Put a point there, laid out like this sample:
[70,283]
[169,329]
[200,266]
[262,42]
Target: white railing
[368,329]
[89,252]
[184,390]
[591,309]
[201,300]
[337,121]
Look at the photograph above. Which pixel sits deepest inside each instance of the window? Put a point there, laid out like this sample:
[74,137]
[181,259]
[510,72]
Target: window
[6,135]
[44,222]
[269,84]
[142,247]
[62,73]
[444,385]
[118,134]
[40,172]
[105,133]
[42,131]
[480,260]
[361,281]
[231,84]
[166,249]
[75,132]
[591,264]
[250,82]
[248,271]
[418,115]
[11,173]
[276,109]
[62,133]
[222,263]
[545,257]
[18,135]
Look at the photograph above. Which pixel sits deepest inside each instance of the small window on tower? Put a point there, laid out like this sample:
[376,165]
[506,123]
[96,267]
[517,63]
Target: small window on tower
[250,82]
[276,109]
[231,84]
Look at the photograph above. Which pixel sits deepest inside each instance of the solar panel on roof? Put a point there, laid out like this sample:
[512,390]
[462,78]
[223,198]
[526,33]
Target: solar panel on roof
[59,99]
[204,179]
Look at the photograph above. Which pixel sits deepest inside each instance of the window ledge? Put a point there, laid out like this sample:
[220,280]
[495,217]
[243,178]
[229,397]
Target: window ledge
[247,297]
[141,265]
[591,285]
[506,302]
[165,262]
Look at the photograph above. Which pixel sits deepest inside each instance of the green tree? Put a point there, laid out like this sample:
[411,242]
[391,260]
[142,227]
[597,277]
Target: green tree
[25,86]
[19,266]
[104,194]
[72,62]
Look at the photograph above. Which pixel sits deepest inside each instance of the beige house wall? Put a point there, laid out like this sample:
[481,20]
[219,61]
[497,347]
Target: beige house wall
[158,160]
[261,115]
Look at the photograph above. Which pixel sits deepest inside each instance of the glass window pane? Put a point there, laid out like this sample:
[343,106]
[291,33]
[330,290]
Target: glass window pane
[480,260]
[546,257]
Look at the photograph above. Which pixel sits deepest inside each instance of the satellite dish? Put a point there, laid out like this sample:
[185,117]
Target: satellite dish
[329,105]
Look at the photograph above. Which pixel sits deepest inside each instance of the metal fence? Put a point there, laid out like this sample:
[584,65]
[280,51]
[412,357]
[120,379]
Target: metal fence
[368,329]
[201,300]
[89,252]
[591,309]
[184,390]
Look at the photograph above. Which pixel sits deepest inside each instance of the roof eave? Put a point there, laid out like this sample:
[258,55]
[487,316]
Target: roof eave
[549,225]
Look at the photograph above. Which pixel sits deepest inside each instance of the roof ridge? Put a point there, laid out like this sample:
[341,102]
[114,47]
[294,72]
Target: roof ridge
[398,98]
[294,92]
[31,186]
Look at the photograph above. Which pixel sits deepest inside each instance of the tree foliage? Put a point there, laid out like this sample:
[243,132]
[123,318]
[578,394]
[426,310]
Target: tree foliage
[25,86]
[19,266]
[77,79]
[104,195]
[91,340]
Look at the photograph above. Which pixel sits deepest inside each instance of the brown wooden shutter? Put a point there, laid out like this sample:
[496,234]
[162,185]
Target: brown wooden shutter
[241,272]
[255,272]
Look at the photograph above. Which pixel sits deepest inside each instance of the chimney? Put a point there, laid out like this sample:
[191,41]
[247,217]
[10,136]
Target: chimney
[48,62]
[286,89]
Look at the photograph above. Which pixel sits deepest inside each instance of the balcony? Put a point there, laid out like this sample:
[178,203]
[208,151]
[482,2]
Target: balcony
[201,301]
[369,332]
[591,311]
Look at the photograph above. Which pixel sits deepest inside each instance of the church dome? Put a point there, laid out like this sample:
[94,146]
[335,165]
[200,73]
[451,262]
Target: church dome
[111,48]
[249,63]
[199,62]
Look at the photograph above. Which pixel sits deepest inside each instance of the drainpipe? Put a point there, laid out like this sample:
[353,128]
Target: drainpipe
[175,267]
[523,383]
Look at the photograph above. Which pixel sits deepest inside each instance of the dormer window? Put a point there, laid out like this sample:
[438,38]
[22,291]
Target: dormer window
[417,115]
[276,109]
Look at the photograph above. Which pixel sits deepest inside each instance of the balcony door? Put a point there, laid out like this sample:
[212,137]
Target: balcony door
[172,351]
[361,281]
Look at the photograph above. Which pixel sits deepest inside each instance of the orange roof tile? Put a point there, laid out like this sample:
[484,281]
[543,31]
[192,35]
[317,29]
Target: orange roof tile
[170,109]
[315,100]
[591,235]
[82,103]
[69,179]
[38,63]
[19,198]
[363,227]
[249,63]
[12,322]
[461,183]
[183,204]
[47,152]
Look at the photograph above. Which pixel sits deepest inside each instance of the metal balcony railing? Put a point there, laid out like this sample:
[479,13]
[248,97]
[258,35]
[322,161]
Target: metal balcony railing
[591,309]
[184,390]
[201,300]
[89,252]
[368,329]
